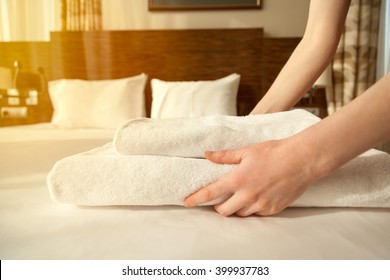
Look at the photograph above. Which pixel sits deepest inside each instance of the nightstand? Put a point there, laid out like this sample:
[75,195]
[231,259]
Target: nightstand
[315,102]
[28,103]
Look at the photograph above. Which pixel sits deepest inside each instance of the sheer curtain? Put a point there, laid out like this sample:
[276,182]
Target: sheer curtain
[383,61]
[26,20]
[354,65]
[32,20]
[384,50]
[81,15]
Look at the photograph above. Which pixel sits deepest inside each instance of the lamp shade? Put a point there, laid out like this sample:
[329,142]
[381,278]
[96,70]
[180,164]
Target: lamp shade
[5,78]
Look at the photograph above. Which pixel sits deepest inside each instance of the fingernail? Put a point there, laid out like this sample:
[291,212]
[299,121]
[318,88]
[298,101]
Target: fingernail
[208,153]
[186,204]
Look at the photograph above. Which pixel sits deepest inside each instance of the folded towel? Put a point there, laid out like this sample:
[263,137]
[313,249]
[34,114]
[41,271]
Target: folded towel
[191,137]
[102,177]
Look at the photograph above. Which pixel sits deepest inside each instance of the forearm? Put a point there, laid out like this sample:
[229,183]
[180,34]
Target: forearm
[362,124]
[309,59]
[290,85]
[270,175]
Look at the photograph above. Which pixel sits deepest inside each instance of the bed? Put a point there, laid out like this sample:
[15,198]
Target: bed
[34,227]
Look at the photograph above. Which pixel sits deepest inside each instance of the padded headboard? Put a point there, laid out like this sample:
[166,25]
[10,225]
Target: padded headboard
[172,55]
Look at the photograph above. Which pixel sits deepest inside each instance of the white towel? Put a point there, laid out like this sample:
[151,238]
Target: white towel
[102,177]
[191,137]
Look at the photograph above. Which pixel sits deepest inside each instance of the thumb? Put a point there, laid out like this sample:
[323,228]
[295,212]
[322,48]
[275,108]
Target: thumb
[225,156]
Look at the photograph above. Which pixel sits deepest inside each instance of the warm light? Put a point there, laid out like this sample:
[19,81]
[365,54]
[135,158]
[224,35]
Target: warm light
[5,78]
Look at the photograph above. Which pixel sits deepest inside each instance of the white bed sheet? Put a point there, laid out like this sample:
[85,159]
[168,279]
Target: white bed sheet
[34,227]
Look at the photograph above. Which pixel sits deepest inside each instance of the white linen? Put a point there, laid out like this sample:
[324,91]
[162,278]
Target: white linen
[97,104]
[195,98]
[48,131]
[191,137]
[33,227]
[102,177]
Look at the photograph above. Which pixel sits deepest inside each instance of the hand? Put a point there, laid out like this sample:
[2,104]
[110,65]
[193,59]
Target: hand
[269,176]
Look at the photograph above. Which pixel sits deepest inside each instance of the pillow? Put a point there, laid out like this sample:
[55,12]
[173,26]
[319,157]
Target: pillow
[97,104]
[195,98]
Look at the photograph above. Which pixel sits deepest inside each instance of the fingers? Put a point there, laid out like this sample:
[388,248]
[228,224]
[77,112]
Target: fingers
[248,210]
[243,204]
[245,191]
[270,211]
[225,156]
[231,205]
[206,194]
[220,188]
[238,202]
[267,178]
[253,209]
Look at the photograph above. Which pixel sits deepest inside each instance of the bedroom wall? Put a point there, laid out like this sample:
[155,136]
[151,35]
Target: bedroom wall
[279,18]
[27,21]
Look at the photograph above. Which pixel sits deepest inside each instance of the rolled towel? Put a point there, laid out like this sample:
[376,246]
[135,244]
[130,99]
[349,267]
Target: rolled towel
[102,177]
[191,137]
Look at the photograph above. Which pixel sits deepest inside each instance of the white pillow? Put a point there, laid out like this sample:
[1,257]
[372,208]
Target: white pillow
[195,98]
[97,104]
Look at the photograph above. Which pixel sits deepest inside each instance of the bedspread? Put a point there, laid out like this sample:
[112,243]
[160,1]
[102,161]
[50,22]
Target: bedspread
[34,227]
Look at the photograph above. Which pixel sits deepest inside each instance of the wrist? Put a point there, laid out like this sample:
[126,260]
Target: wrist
[316,161]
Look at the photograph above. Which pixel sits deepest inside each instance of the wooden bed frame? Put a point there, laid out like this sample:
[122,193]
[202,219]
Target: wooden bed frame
[172,55]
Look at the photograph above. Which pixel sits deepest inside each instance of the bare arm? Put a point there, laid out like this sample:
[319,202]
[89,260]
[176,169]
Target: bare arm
[309,59]
[362,124]
[271,175]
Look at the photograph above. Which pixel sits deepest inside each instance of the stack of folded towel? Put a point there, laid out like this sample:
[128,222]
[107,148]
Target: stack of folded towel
[160,162]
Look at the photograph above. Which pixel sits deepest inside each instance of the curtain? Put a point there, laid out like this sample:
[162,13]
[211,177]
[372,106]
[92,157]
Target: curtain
[354,64]
[26,20]
[81,15]
[383,59]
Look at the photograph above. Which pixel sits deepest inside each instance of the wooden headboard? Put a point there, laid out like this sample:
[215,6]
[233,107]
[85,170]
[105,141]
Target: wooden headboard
[166,54]
[172,55]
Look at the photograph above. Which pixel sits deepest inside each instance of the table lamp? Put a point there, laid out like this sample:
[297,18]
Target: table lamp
[6,81]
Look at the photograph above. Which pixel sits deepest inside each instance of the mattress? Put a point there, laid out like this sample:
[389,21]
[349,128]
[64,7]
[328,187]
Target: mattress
[34,227]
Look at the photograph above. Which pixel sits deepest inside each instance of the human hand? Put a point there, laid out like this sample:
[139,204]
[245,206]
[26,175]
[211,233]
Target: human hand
[269,176]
